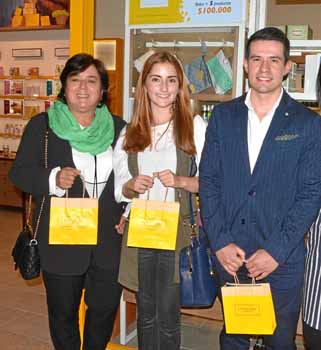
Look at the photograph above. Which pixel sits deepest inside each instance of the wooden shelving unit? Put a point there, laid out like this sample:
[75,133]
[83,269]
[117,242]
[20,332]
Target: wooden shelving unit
[24,28]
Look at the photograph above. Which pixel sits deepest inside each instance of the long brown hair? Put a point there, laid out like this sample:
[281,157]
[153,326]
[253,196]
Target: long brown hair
[138,133]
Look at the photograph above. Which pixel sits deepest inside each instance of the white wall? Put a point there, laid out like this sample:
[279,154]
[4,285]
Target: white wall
[110,19]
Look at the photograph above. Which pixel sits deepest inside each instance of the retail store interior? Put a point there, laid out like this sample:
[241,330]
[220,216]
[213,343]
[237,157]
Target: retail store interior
[29,85]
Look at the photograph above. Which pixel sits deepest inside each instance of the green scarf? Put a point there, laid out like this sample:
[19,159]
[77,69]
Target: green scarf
[94,139]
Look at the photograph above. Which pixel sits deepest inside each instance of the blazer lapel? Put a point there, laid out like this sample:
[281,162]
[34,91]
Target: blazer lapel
[242,113]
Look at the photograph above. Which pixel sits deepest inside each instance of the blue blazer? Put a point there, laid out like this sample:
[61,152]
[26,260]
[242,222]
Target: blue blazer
[273,207]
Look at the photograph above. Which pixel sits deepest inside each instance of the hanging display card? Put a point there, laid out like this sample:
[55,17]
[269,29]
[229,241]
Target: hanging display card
[191,12]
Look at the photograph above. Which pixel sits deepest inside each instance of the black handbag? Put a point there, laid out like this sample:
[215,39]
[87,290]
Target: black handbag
[197,283]
[26,255]
[25,252]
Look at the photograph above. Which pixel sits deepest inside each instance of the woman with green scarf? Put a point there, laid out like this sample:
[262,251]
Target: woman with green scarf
[81,137]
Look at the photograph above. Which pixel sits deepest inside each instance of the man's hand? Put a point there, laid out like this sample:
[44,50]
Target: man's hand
[66,176]
[261,264]
[231,258]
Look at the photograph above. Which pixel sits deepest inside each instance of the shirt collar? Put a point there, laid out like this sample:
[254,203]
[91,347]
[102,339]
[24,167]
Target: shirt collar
[272,110]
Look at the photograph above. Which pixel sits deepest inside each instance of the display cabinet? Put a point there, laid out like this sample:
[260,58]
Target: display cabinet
[9,194]
[300,49]
[209,31]
[31,62]
[21,97]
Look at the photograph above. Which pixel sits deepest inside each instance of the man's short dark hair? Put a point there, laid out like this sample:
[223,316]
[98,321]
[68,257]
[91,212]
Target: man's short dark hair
[272,34]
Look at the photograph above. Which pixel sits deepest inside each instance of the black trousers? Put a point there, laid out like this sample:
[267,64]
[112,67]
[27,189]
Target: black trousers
[312,337]
[63,298]
[158,301]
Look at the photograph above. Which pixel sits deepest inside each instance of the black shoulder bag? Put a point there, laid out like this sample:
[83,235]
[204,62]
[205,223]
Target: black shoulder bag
[25,252]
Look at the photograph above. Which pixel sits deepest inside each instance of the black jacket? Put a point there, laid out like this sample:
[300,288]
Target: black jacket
[29,174]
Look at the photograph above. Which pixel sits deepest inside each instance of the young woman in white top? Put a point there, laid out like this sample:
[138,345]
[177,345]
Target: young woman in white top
[161,135]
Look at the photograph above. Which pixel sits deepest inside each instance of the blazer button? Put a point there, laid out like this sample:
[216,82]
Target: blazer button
[252,193]
[243,221]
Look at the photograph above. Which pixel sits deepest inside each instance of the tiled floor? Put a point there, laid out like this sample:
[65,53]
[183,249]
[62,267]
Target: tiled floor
[197,333]
[23,312]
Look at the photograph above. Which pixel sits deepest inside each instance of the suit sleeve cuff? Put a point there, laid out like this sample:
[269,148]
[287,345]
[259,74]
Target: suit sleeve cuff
[277,252]
[54,190]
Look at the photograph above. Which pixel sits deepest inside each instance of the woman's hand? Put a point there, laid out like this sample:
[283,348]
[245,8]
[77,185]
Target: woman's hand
[138,184]
[168,178]
[66,177]
[121,225]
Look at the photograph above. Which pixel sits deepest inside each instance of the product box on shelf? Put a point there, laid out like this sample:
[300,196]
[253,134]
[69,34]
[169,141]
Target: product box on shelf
[17,21]
[14,71]
[33,71]
[31,110]
[33,90]
[299,32]
[32,20]
[45,21]
[13,87]
[13,106]
[18,11]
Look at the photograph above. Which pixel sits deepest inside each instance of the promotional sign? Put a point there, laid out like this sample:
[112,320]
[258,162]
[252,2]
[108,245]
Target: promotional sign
[191,12]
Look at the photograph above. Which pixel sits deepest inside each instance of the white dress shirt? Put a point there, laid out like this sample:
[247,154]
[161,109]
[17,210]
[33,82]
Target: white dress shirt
[161,156]
[257,129]
[85,162]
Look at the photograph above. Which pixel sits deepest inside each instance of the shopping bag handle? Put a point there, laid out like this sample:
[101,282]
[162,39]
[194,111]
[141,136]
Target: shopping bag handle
[83,187]
[165,197]
[237,281]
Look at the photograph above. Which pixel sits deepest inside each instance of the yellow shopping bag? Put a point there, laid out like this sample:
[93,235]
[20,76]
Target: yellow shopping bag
[153,224]
[73,221]
[248,308]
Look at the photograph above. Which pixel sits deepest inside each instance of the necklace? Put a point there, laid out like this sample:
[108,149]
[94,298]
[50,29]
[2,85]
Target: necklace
[156,138]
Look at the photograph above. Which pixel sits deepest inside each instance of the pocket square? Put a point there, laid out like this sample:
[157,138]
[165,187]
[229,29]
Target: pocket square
[286,137]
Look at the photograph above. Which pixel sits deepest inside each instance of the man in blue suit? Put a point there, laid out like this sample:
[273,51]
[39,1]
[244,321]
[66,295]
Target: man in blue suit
[260,186]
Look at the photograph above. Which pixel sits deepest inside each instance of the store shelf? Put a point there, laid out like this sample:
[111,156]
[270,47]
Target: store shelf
[23,28]
[13,116]
[28,77]
[301,96]
[28,98]
[302,46]
[9,136]
[212,97]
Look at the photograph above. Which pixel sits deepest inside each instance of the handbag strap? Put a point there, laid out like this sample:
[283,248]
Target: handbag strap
[43,198]
[192,172]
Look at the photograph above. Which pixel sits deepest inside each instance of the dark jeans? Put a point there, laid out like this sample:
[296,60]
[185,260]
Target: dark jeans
[312,337]
[286,287]
[158,301]
[63,298]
